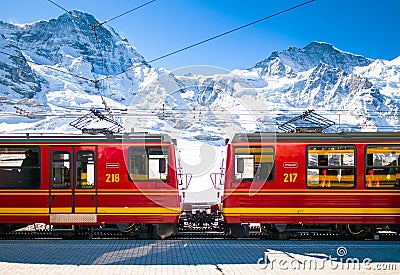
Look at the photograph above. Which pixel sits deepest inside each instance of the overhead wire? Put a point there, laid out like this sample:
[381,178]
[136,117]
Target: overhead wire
[187,111]
[231,31]
[197,43]
[118,16]
[94,28]
[174,117]
[376,113]
[217,36]
[49,67]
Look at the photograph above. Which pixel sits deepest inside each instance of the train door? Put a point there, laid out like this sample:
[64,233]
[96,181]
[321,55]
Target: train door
[73,187]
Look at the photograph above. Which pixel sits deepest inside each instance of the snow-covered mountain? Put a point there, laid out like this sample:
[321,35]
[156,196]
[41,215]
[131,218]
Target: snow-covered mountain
[58,69]
[17,76]
[295,60]
[319,76]
[58,64]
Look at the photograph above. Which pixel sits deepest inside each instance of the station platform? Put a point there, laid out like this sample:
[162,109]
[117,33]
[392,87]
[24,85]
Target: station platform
[198,257]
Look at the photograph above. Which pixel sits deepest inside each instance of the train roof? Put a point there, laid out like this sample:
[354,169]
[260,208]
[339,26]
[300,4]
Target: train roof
[316,137]
[65,137]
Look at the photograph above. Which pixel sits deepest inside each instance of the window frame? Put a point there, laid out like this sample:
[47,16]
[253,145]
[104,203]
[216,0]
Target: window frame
[14,173]
[272,173]
[165,156]
[61,186]
[367,167]
[330,167]
[78,181]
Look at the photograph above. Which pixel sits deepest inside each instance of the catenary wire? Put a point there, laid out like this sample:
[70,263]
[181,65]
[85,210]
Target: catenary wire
[169,54]
[96,81]
[104,22]
[118,16]
[215,37]
[230,31]
[201,42]
[94,28]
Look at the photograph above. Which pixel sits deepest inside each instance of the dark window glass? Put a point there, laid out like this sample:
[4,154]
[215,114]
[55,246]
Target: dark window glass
[382,167]
[254,164]
[61,170]
[331,166]
[148,163]
[85,170]
[20,167]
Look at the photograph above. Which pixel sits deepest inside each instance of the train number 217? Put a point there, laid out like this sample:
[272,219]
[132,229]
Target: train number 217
[289,177]
[112,177]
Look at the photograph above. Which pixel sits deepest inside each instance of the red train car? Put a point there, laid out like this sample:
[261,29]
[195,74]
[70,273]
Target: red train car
[126,181]
[345,182]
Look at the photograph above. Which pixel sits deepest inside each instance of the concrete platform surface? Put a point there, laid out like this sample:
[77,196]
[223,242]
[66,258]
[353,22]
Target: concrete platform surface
[198,257]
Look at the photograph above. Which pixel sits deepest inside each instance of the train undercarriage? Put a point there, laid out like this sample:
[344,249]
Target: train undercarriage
[293,231]
[209,226]
[206,220]
[134,231]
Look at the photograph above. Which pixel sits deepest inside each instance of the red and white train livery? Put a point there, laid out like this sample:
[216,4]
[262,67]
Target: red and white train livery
[128,181]
[287,182]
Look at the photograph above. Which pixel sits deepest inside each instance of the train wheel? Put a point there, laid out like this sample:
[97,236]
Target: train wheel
[275,231]
[359,231]
[164,230]
[238,230]
[7,228]
[396,228]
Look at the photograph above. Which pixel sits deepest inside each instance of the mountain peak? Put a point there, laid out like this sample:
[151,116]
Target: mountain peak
[71,36]
[79,17]
[320,45]
[304,59]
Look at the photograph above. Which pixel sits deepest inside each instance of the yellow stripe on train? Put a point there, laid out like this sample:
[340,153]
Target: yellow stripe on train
[100,210]
[309,210]
[138,210]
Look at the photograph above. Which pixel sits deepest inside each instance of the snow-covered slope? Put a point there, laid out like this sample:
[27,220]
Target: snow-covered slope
[55,67]
[294,60]
[320,76]
[17,78]
[58,63]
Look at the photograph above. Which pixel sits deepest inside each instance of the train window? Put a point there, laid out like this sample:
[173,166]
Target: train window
[85,169]
[61,170]
[148,163]
[382,169]
[331,166]
[254,163]
[20,167]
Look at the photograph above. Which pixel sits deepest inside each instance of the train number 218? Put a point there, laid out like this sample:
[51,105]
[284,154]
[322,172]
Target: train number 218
[289,177]
[112,177]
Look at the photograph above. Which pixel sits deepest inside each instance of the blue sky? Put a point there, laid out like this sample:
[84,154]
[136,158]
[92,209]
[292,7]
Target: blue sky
[366,27]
